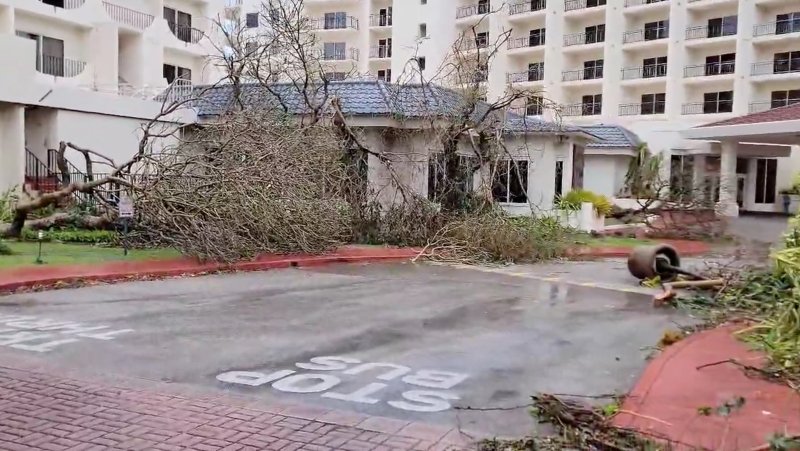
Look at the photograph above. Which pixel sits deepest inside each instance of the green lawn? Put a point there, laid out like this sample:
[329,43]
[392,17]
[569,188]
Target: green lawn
[67,254]
[612,241]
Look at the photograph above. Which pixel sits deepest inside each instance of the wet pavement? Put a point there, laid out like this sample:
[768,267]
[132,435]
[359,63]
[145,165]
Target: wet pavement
[412,342]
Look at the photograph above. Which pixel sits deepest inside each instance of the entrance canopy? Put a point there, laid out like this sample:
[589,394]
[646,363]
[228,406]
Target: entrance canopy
[778,126]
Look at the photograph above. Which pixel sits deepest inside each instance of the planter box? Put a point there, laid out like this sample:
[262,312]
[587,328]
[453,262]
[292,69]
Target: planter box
[793,204]
[586,219]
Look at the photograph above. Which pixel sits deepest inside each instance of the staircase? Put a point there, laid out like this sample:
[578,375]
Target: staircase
[41,177]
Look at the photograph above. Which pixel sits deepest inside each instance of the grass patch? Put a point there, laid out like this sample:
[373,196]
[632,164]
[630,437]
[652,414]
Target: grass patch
[612,241]
[24,254]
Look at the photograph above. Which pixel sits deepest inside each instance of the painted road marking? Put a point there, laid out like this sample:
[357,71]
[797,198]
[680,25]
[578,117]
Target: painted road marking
[554,280]
[35,334]
[425,390]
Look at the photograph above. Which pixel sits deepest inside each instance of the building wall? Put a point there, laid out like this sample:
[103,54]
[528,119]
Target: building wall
[605,174]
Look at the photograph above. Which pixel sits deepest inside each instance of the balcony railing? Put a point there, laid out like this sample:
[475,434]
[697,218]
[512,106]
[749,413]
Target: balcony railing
[584,38]
[528,75]
[336,23]
[781,66]
[380,20]
[534,109]
[472,10]
[127,16]
[629,3]
[68,4]
[380,51]
[721,106]
[468,44]
[704,31]
[645,34]
[526,6]
[639,109]
[709,69]
[186,34]
[650,71]
[339,55]
[572,5]
[60,67]
[778,27]
[519,43]
[589,73]
[582,109]
[757,107]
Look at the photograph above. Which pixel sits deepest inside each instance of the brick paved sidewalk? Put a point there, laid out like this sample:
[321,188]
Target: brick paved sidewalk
[40,411]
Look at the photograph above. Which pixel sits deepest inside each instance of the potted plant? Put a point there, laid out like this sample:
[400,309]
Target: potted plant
[572,205]
[791,196]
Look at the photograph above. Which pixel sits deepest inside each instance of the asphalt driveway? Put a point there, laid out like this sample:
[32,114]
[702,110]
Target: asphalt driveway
[415,342]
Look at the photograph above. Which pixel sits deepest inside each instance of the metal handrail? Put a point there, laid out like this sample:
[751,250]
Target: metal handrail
[472,10]
[68,4]
[645,34]
[779,66]
[588,73]
[518,43]
[720,106]
[128,16]
[526,6]
[638,109]
[528,75]
[380,20]
[58,66]
[629,3]
[704,31]
[757,107]
[584,38]
[709,69]
[337,23]
[649,71]
[380,51]
[582,109]
[778,27]
[185,33]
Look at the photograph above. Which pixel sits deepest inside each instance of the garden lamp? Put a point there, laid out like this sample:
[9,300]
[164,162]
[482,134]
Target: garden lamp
[40,236]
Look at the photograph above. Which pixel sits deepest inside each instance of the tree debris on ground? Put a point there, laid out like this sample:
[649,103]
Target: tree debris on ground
[579,427]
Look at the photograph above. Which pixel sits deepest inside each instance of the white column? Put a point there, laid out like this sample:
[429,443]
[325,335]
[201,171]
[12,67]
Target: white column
[12,146]
[699,171]
[104,44]
[727,205]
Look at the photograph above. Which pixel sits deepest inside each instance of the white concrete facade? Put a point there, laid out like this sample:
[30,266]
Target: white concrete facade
[87,71]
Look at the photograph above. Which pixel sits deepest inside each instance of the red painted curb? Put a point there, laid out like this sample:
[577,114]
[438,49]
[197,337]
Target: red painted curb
[27,277]
[688,375]
[684,248]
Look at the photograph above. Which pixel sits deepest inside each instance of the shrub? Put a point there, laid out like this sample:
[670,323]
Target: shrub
[573,200]
[73,236]
[5,249]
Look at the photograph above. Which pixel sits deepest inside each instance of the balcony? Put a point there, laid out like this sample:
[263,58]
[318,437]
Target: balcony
[645,35]
[528,76]
[721,106]
[186,34]
[757,107]
[68,4]
[380,21]
[589,73]
[576,5]
[634,3]
[707,32]
[642,109]
[644,72]
[526,45]
[534,109]
[464,12]
[473,44]
[786,67]
[129,17]
[378,52]
[595,37]
[582,109]
[335,23]
[350,54]
[521,9]
[777,30]
[60,67]
[708,70]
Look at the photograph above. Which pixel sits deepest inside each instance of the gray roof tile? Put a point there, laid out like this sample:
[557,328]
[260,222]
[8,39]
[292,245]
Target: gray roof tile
[612,136]
[370,98]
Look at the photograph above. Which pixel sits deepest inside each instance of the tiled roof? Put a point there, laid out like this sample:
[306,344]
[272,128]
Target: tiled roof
[612,136]
[368,98]
[785,113]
